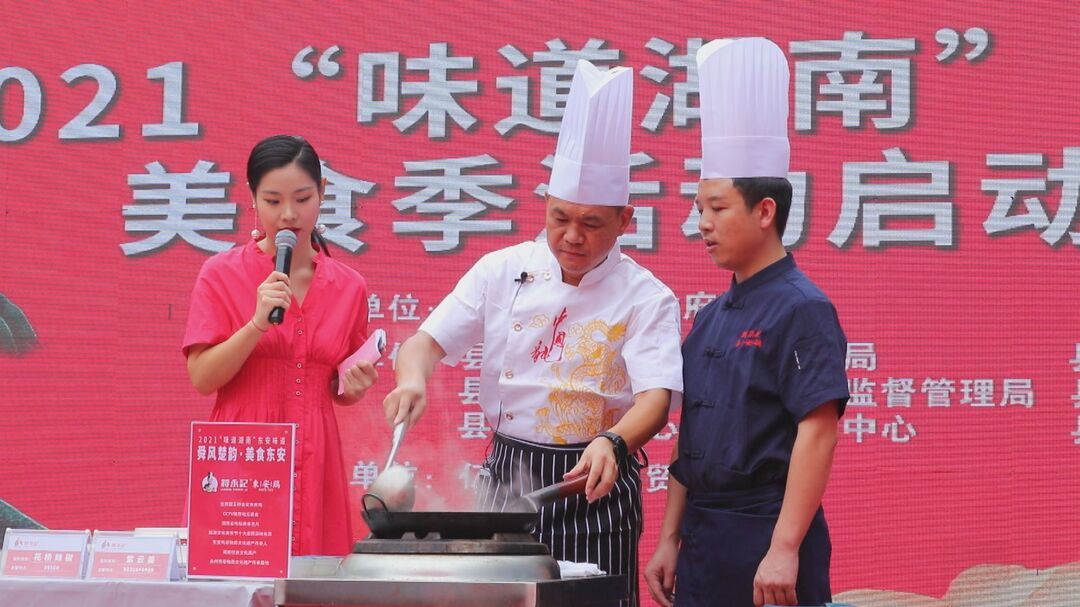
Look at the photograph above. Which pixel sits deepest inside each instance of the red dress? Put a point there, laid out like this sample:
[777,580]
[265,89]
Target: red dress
[286,379]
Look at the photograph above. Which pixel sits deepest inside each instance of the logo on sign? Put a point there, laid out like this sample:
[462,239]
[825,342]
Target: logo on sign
[210,483]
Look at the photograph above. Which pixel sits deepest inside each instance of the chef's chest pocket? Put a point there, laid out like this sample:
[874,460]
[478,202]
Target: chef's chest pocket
[722,425]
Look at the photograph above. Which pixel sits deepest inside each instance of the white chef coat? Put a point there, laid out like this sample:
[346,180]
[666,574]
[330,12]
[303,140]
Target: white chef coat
[561,363]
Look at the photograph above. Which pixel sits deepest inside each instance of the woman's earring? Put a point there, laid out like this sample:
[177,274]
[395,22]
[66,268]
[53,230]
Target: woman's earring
[256,233]
[320,228]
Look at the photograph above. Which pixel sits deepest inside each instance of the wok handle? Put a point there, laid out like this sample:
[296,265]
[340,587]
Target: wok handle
[542,497]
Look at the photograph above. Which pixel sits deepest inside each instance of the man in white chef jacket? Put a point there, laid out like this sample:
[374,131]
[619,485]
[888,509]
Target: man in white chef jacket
[581,344]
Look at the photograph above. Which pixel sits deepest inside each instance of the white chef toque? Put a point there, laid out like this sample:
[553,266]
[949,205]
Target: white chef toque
[743,93]
[592,159]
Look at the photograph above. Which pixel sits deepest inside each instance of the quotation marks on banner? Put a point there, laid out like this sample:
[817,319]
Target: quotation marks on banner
[949,39]
[17,337]
[328,62]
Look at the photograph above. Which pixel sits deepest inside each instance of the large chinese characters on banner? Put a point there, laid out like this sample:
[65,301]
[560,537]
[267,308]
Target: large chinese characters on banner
[936,165]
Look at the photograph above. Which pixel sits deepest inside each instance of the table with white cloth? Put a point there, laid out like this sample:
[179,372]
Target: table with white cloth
[44,592]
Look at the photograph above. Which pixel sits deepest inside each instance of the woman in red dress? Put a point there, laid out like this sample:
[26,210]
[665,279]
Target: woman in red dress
[285,373]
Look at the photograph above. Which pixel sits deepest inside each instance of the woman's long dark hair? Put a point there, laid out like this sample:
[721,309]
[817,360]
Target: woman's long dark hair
[282,150]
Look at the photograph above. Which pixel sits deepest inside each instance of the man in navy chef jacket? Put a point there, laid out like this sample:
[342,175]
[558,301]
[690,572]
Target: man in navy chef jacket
[763,367]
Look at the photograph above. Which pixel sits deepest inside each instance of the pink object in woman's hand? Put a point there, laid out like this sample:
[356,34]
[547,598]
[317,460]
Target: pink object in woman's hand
[370,352]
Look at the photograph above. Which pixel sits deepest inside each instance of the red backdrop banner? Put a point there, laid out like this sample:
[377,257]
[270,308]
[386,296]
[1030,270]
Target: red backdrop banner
[936,165]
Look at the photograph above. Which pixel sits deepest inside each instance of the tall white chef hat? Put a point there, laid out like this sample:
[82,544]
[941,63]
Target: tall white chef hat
[744,109]
[592,160]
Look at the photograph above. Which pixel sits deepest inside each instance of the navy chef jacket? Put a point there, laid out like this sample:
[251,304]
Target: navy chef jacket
[757,360]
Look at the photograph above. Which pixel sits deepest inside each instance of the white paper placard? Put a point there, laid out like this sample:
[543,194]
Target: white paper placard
[123,555]
[45,553]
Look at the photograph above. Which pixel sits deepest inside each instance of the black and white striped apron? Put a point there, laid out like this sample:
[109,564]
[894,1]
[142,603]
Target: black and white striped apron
[605,532]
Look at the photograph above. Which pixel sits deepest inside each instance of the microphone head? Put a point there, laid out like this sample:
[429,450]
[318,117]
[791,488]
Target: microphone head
[285,239]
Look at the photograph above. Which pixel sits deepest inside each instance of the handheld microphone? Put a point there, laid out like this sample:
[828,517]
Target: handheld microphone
[523,278]
[284,242]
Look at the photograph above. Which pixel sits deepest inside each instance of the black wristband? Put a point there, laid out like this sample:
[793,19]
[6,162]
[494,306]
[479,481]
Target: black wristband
[618,442]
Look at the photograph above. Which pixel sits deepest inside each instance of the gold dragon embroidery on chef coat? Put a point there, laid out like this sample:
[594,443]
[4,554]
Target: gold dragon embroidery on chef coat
[577,408]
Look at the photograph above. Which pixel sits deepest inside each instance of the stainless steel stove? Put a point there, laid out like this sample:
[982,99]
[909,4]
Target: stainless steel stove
[602,591]
[505,570]
[504,558]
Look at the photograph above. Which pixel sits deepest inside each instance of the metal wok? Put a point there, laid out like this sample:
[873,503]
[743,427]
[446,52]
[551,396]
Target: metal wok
[520,516]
